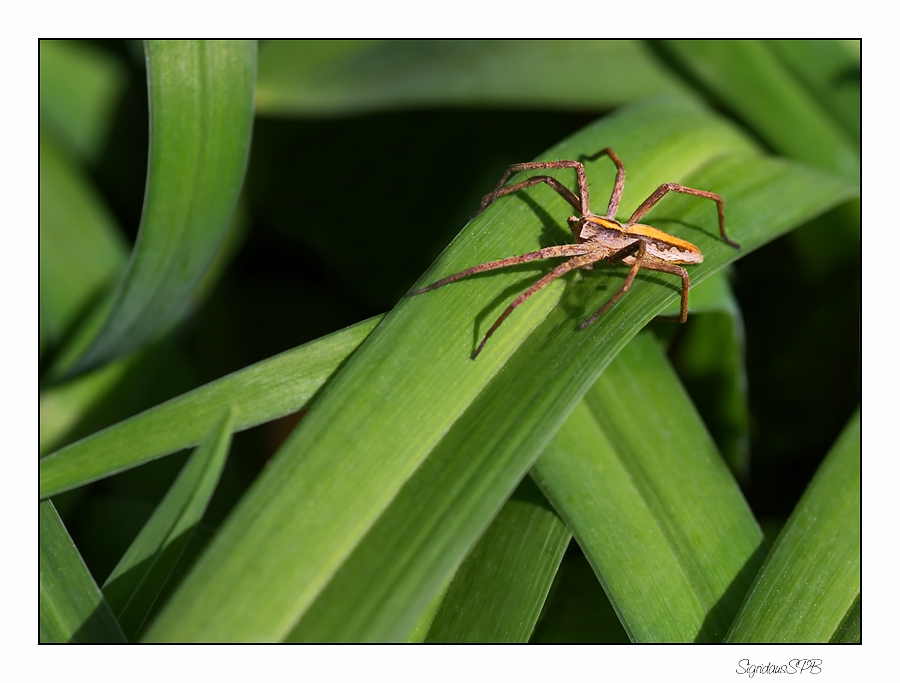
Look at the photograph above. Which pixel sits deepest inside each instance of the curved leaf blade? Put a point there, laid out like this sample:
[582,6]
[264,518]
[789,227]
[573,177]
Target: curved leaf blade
[201,116]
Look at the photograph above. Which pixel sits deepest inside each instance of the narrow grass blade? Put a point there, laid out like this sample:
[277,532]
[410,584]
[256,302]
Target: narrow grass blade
[135,583]
[809,587]
[749,79]
[72,608]
[413,435]
[321,77]
[201,116]
[497,593]
[639,482]
[79,89]
[81,247]
[259,393]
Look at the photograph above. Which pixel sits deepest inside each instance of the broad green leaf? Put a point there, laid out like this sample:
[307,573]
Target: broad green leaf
[72,608]
[498,591]
[259,393]
[79,89]
[412,423]
[809,586]
[135,583]
[323,77]
[81,247]
[637,479]
[201,115]
[751,80]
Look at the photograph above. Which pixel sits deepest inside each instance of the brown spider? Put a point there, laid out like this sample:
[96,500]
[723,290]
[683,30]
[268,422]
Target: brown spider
[597,238]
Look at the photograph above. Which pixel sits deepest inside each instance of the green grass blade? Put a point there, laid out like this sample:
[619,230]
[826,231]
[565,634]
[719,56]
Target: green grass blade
[201,116]
[134,585]
[750,79]
[830,71]
[639,482]
[81,247]
[79,89]
[72,608]
[259,393]
[321,77]
[809,586]
[411,422]
[497,593]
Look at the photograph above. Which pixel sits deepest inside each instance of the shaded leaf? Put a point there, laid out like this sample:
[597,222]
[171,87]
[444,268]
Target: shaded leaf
[497,593]
[72,608]
[79,89]
[810,582]
[324,77]
[133,586]
[81,247]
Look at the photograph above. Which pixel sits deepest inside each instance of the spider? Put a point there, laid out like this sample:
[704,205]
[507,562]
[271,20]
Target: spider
[597,238]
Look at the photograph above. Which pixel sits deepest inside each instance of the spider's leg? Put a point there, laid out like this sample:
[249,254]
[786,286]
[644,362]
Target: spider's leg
[548,252]
[559,271]
[665,188]
[637,249]
[616,195]
[662,266]
[581,203]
